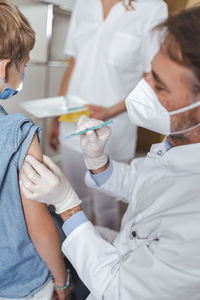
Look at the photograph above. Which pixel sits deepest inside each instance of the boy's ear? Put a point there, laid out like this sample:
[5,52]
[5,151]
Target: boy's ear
[4,69]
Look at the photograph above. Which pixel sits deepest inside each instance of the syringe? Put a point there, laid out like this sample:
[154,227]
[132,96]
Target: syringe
[89,129]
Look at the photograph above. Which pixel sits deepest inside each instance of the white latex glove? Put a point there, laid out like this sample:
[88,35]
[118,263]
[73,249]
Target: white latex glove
[45,182]
[93,142]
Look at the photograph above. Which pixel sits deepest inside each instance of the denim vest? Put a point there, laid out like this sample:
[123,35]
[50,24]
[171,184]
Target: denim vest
[22,272]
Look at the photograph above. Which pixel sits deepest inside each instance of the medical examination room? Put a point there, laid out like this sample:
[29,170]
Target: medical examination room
[99,149]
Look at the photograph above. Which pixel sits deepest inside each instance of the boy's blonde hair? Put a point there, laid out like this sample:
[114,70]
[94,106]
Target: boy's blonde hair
[17,38]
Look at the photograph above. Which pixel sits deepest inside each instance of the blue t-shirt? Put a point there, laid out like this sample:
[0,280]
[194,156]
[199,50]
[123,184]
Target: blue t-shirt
[22,272]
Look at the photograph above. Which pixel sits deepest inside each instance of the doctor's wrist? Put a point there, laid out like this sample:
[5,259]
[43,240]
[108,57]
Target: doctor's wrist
[70,212]
[101,169]
[96,163]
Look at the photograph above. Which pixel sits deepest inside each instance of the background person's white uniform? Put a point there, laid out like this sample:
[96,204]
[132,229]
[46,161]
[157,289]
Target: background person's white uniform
[156,254]
[111,57]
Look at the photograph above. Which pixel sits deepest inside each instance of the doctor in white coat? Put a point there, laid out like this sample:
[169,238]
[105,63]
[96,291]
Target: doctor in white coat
[155,255]
[110,46]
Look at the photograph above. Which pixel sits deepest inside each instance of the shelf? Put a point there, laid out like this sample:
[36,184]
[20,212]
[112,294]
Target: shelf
[50,63]
[68,5]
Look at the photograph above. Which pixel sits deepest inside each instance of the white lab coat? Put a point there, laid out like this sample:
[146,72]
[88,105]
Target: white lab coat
[156,254]
[111,57]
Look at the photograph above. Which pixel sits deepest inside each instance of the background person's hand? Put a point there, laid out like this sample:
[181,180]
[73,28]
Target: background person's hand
[53,134]
[45,182]
[99,112]
[93,142]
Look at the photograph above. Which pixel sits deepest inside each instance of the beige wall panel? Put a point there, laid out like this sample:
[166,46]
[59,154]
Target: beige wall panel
[192,2]
[175,5]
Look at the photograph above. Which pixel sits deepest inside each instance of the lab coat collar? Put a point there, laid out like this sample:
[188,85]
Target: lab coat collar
[184,159]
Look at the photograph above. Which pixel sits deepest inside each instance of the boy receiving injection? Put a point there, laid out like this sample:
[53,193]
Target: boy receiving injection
[30,246]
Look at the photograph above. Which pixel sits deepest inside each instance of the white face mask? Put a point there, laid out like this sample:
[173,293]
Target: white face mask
[145,110]
[20,87]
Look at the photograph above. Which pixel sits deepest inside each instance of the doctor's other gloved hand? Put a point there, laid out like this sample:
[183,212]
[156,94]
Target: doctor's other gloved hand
[45,182]
[93,142]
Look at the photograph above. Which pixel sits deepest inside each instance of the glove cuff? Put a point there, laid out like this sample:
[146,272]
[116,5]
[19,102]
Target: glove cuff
[96,163]
[68,202]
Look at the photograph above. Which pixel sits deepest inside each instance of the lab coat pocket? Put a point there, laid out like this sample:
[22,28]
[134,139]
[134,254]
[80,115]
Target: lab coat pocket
[124,51]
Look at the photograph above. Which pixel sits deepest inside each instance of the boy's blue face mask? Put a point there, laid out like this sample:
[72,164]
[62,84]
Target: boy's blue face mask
[9,92]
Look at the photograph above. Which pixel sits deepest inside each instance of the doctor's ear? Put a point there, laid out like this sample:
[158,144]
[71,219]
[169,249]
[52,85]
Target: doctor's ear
[4,67]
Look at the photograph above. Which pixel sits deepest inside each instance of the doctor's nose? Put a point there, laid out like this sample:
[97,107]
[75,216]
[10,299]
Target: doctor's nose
[150,80]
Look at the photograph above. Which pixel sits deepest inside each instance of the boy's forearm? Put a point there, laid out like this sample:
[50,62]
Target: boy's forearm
[48,245]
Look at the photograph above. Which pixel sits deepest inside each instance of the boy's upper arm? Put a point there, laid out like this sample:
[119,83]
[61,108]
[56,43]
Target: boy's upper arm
[35,149]
[34,212]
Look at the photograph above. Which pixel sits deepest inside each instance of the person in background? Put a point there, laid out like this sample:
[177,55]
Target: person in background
[28,256]
[110,47]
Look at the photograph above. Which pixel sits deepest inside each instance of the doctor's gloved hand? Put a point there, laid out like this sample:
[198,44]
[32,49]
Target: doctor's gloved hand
[93,142]
[45,182]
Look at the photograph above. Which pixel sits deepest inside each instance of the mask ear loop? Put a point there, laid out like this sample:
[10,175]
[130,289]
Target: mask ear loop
[0,77]
[5,85]
[185,130]
[183,109]
[20,73]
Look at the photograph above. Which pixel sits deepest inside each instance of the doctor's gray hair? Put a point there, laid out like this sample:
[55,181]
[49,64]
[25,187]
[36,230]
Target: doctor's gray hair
[182,41]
